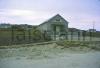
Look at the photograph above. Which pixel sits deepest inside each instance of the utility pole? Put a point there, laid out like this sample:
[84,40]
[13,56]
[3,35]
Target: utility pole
[93,28]
[92,32]
[93,25]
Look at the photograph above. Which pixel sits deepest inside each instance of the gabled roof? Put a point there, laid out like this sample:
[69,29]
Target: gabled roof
[57,15]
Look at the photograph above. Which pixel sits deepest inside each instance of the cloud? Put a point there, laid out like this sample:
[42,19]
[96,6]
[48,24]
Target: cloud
[15,12]
[81,20]
[4,19]
[19,16]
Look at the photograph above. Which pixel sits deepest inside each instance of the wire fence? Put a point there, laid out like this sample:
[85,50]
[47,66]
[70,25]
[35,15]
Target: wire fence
[9,37]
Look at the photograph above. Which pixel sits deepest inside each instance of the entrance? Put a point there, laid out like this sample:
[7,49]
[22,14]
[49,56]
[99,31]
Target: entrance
[57,31]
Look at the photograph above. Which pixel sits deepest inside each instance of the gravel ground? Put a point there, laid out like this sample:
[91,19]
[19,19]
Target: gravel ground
[50,56]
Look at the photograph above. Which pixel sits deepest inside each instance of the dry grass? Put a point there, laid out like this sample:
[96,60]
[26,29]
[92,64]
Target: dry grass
[46,50]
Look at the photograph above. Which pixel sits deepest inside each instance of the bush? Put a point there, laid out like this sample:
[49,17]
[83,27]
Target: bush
[71,43]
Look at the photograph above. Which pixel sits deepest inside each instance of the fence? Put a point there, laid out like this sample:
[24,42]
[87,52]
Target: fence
[9,37]
[14,36]
[83,36]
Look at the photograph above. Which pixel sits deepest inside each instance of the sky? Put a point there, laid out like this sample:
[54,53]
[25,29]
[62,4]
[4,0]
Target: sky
[80,14]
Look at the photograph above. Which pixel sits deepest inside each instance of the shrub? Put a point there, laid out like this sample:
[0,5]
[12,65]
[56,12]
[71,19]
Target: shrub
[71,43]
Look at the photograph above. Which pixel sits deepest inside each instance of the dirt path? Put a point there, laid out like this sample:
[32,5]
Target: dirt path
[65,60]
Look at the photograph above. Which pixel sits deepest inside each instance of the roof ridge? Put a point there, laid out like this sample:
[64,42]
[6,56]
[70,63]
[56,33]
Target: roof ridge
[52,18]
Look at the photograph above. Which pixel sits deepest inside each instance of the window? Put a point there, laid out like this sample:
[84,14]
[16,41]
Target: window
[57,19]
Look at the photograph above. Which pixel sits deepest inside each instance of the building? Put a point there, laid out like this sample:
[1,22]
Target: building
[73,30]
[56,27]
[5,25]
[92,30]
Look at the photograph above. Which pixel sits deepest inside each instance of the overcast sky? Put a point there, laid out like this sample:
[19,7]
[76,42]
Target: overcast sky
[79,13]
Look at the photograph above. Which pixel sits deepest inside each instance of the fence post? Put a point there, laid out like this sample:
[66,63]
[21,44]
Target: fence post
[78,35]
[54,35]
[90,36]
[44,33]
[12,34]
[84,34]
[29,32]
[66,35]
[24,34]
[71,35]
